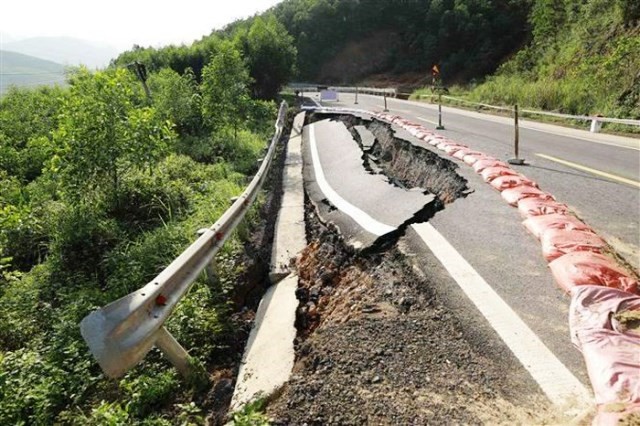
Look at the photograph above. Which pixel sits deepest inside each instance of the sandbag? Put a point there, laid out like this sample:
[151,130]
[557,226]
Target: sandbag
[595,307]
[490,173]
[603,326]
[470,159]
[510,181]
[585,268]
[534,206]
[558,242]
[538,225]
[442,144]
[480,165]
[453,148]
[514,195]
[613,366]
[461,153]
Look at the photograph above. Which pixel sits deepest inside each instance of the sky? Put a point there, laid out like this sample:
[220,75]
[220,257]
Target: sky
[122,23]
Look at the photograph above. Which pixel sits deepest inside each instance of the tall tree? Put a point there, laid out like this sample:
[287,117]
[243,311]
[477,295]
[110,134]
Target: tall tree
[270,55]
[225,89]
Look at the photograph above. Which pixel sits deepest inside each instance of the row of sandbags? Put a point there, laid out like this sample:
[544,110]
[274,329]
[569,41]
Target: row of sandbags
[605,306]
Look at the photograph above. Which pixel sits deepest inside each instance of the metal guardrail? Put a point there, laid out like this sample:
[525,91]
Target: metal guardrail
[308,87]
[120,334]
[592,118]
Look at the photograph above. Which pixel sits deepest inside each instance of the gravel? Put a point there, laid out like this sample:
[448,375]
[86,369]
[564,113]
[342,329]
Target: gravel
[376,346]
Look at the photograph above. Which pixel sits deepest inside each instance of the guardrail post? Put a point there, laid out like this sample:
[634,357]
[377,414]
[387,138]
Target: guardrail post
[385,102]
[439,126]
[356,102]
[596,125]
[516,139]
[174,352]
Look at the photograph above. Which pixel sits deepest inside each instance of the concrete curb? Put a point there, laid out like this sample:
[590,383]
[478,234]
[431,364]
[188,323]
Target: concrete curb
[289,237]
[269,355]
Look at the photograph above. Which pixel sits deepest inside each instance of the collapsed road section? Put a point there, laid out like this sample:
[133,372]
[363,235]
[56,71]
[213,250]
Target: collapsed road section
[377,343]
[370,185]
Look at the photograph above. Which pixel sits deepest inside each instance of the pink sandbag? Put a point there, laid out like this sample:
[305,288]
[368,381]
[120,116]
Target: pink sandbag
[514,195]
[482,164]
[490,173]
[471,159]
[538,225]
[613,366]
[597,320]
[585,268]
[510,181]
[534,206]
[594,307]
[446,144]
[453,148]
[461,153]
[558,242]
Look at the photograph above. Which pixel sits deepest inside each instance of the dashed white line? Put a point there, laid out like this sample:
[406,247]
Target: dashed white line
[556,381]
[362,218]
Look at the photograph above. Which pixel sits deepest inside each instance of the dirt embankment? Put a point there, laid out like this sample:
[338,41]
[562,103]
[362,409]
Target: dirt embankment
[376,346]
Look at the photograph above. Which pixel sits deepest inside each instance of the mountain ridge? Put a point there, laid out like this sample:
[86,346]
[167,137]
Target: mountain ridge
[64,50]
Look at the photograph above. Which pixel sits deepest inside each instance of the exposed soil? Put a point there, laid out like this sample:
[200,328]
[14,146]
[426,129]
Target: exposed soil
[376,346]
[360,58]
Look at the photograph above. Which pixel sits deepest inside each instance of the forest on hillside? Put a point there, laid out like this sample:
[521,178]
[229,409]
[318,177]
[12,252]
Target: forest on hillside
[341,41]
[101,187]
[583,58]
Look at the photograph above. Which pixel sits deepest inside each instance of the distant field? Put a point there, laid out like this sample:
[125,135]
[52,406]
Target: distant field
[24,70]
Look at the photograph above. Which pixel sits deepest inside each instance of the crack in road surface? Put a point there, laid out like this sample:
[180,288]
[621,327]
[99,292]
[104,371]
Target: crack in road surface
[420,183]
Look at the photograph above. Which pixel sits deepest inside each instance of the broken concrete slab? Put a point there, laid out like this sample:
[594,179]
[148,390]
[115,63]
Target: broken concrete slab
[269,355]
[366,137]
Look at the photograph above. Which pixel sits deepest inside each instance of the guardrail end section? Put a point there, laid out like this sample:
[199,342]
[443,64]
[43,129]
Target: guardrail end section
[114,359]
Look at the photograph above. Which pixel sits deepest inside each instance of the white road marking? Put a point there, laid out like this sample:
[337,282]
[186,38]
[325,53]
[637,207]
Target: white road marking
[556,381]
[362,218]
[592,171]
[535,129]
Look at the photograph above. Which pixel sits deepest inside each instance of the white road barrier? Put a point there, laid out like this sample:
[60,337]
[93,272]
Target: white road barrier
[596,120]
[121,333]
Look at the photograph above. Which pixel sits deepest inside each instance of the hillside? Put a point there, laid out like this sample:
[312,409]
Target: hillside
[584,58]
[24,70]
[336,39]
[343,42]
[64,50]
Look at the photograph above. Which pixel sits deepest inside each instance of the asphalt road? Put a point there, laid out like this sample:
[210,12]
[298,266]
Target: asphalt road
[338,182]
[602,185]
[488,234]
